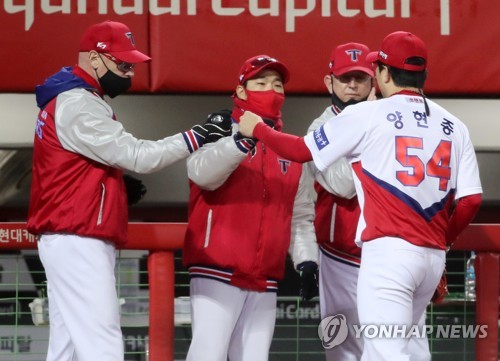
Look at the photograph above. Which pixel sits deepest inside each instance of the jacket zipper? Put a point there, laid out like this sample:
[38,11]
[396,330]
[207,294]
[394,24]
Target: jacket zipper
[259,254]
[209,229]
[101,208]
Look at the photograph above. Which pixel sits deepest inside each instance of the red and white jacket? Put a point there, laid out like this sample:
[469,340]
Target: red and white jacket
[79,153]
[334,205]
[240,215]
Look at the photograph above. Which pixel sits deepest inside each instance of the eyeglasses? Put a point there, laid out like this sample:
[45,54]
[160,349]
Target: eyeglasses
[359,77]
[256,64]
[120,65]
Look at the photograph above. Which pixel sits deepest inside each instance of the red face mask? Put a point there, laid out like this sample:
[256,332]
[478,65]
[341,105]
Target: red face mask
[267,103]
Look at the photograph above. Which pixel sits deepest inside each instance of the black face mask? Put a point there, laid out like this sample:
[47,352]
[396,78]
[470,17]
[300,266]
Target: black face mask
[342,105]
[113,84]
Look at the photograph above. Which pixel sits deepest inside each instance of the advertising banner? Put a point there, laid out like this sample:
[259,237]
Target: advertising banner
[197,46]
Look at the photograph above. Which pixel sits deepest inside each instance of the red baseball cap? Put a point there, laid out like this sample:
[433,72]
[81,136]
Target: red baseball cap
[350,57]
[113,38]
[397,47]
[251,67]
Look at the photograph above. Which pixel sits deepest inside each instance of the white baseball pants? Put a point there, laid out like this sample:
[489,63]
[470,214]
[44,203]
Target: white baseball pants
[227,320]
[396,282]
[338,295]
[83,305]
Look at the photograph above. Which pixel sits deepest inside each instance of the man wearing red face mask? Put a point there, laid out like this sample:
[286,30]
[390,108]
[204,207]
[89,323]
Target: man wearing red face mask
[234,271]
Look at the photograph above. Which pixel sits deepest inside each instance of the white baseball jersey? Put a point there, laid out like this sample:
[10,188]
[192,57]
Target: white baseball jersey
[409,167]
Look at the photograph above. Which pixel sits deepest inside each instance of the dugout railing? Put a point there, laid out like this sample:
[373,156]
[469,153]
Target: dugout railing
[162,239]
[485,240]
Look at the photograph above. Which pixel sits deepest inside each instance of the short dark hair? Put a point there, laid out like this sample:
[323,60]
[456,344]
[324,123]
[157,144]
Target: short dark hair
[406,78]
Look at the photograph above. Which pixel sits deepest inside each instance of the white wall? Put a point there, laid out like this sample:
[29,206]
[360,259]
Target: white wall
[154,116]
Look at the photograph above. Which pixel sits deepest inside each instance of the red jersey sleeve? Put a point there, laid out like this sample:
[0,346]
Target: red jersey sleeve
[288,146]
[463,214]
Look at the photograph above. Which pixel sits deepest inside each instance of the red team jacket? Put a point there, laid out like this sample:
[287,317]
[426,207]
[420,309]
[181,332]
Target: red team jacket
[71,193]
[335,223]
[239,230]
[80,151]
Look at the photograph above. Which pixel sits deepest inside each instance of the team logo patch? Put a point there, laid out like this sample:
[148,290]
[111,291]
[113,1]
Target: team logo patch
[39,128]
[130,37]
[354,54]
[320,138]
[284,164]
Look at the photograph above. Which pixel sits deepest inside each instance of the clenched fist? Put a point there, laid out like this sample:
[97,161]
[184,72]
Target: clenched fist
[248,121]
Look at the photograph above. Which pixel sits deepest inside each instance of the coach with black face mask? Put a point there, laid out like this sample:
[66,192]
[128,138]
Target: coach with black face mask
[78,205]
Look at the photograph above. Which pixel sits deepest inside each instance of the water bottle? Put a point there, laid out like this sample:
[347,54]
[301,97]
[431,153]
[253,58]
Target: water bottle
[470,278]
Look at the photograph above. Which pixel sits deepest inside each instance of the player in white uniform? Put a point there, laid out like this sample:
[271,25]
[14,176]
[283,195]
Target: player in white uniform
[411,160]
[335,208]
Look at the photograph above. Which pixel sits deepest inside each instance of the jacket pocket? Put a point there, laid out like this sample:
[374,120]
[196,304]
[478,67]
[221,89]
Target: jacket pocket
[208,230]
[101,206]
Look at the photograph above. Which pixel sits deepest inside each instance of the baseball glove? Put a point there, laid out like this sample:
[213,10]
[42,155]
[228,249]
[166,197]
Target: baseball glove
[308,272]
[135,189]
[441,290]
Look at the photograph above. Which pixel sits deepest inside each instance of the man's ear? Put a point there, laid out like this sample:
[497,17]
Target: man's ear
[328,80]
[241,92]
[386,76]
[94,59]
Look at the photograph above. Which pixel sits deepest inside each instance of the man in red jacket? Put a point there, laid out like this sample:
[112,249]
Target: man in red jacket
[235,270]
[78,204]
